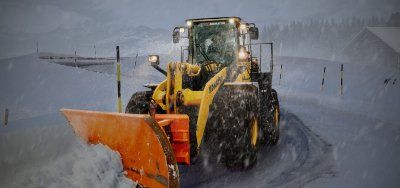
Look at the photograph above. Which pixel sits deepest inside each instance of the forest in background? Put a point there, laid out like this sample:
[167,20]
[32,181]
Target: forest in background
[320,38]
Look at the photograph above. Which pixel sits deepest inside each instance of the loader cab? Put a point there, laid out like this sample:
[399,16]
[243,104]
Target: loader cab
[224,40]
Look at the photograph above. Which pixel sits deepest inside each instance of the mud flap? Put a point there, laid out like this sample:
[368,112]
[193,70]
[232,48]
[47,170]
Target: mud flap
[145,150]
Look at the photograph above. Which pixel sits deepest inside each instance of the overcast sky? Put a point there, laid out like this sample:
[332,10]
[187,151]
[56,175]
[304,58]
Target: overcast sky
[47,15]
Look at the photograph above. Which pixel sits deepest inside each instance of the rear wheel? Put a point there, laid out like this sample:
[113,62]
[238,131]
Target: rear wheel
[233,127]
[274,119]
[270,116]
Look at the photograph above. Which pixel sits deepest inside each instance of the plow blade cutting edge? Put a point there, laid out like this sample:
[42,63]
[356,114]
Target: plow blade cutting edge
[145,150]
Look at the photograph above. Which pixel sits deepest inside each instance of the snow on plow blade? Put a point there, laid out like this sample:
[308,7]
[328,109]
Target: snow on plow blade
[146,152]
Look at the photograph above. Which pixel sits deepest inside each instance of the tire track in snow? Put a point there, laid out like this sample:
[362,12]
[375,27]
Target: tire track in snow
[300,156]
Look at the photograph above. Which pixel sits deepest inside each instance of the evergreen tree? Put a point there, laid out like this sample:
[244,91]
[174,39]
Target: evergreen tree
[319,38]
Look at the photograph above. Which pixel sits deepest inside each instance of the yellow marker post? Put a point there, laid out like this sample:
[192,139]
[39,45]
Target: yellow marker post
[119,102]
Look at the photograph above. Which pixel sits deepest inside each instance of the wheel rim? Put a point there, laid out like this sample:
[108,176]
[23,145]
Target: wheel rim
[276,116]
[254,132]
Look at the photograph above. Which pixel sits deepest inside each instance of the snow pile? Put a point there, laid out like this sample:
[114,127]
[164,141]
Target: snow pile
[37,155]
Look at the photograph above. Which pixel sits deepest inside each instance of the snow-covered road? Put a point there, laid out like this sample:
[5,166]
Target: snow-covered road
[365,148]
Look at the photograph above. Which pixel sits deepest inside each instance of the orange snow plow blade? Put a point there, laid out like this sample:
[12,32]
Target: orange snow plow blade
[146,152]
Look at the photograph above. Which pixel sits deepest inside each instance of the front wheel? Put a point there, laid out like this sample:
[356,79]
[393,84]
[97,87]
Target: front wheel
[233,128]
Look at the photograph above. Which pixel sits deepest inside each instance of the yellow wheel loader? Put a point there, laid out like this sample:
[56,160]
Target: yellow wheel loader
[216,95]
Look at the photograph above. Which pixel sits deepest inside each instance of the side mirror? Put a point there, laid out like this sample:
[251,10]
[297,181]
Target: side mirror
[154,62]
[253,31]
[176,35]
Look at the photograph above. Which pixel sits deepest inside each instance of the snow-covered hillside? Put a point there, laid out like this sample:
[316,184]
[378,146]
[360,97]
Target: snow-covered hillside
[85,40]
[364,88]
[362,125]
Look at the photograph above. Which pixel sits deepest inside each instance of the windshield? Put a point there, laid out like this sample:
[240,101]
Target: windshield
[217,42]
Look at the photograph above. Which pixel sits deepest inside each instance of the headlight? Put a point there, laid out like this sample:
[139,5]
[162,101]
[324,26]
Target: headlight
[181,30]
[243,55]
[243,28]
[231,20]
[154,60]
[189,23]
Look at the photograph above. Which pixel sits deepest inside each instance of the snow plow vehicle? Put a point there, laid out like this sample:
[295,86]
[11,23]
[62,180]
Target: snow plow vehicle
[217,96]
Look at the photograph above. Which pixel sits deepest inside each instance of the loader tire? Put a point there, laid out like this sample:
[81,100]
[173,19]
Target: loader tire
[270,116]
[274,117]
[230,127]
[139,103]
